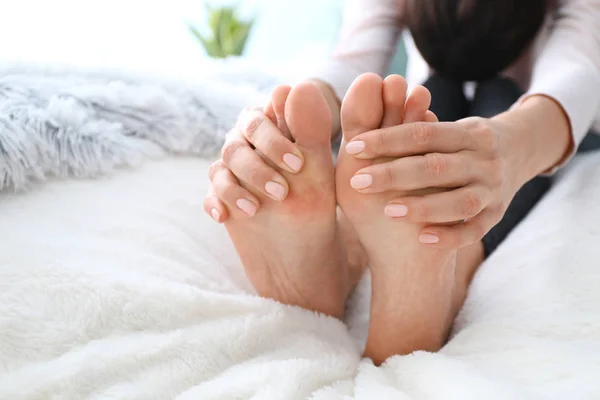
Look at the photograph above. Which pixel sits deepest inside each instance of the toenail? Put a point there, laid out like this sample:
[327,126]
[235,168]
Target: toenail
[428,238]
[215,214]
[275,189]
[396,210]
[293,162]
[362,181]
[355,147]
[246,206]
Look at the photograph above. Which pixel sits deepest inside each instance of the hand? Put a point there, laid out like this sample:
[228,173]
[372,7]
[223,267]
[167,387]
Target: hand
[260,140]
[473,158]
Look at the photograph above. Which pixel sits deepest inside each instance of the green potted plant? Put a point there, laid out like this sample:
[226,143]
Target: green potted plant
[228,32]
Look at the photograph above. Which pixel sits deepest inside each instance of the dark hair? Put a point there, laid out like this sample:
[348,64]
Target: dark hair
[474,40]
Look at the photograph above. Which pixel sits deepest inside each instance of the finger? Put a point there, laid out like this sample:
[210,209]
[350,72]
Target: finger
[410,139]
[417,104]
[278,99]
[431,117]
[486,138]
[394,97]
[215,207]
[460,235]
[248,166]
[440,208]
[228,190]
[265,137]
[417,172]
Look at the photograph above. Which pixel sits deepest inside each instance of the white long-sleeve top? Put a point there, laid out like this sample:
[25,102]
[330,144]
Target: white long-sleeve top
[564,62]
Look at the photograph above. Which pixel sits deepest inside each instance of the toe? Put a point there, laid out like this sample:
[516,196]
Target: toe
[308,117]
[394,97]
[417,104]
[362,108]
[431,117]
[269,112]
[278,100]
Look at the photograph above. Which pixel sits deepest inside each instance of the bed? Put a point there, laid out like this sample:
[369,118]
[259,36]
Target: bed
[114,284]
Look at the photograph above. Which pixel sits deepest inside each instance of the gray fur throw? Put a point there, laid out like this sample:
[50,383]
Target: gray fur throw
[69,122]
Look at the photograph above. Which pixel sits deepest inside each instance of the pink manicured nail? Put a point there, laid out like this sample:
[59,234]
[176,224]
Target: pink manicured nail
[396,210]
[215,214]
[428,238]
[275,189]
[295,163]
[246,206]
[355,147]
[362,181]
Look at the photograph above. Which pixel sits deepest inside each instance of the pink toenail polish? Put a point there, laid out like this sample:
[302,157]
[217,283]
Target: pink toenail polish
[246,206]
[215,214]
[396,210]
[275,189]
[429,238]
[355,147]
[362,181]
[293,162]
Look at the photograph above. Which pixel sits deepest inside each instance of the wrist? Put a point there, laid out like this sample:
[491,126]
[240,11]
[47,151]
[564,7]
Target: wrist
[538,134]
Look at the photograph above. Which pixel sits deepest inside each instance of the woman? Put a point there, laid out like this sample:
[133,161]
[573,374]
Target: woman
[421,202]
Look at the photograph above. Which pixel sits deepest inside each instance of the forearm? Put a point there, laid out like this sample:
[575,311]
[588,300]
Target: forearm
[334,105]
[539,136]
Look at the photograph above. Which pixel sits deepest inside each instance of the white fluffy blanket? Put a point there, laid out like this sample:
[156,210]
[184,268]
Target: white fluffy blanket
[121,288]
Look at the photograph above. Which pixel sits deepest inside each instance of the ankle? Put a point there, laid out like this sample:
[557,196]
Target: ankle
[402,336]
[416,316]
[380,348]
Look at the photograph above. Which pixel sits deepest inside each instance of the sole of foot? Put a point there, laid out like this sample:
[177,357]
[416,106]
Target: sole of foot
[411,283]
[291,249]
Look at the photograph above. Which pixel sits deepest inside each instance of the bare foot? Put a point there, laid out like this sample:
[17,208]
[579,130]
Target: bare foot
[291,249]
[412,285]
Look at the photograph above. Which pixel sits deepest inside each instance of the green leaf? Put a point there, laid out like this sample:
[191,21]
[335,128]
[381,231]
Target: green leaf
[229,34]
[242,38]
[215,20]
[222,33]
[225,27]
[213,49]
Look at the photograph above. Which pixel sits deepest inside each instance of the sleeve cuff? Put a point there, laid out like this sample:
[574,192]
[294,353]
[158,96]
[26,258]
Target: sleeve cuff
[576,88]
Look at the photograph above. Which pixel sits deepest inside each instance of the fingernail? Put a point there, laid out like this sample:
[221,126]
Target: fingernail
[355,147]
[215,214]
[428,238]
[275,189]
[396,210]
[246,206]
[362,181]
[293,162]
